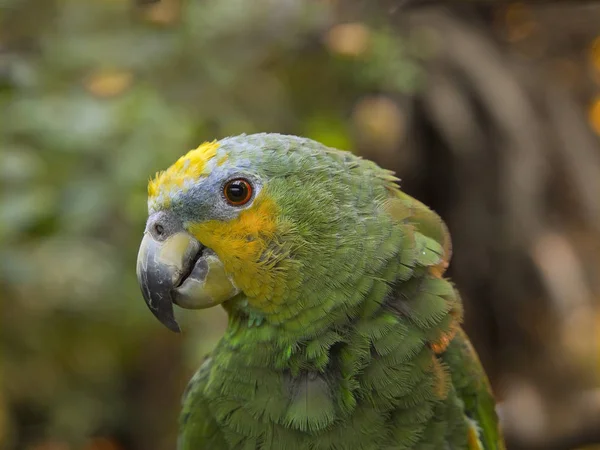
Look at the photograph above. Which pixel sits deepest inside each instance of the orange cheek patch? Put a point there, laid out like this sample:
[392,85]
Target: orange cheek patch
[241,244]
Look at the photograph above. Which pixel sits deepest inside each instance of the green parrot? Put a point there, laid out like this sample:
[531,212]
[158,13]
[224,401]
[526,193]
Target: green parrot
[342,331]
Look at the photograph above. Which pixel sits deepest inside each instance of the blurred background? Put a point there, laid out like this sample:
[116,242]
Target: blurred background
[489,111]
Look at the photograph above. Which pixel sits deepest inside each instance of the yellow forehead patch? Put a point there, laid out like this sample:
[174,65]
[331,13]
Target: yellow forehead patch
[189,167]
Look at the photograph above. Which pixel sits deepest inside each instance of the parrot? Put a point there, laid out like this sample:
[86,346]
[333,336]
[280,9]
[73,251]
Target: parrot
[342,331]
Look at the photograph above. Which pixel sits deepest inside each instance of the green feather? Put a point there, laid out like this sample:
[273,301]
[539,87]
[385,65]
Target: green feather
[311,406]
[473,386]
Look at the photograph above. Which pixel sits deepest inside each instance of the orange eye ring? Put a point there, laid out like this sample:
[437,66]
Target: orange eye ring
[237,192]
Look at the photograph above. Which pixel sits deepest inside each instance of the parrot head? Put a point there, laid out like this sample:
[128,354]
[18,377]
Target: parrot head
[266,224]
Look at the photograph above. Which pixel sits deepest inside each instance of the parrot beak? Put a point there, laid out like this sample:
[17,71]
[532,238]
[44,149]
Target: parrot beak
[176,268]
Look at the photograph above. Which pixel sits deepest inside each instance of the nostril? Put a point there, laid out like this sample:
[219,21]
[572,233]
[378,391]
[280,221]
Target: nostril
[162,224]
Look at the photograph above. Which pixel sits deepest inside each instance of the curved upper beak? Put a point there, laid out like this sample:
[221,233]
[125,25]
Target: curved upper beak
[178,269]
[160,266]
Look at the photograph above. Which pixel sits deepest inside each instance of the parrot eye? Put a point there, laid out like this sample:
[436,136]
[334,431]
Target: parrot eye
[237,192]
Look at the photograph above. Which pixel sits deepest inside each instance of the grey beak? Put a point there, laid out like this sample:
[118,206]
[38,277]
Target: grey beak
[161,265]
